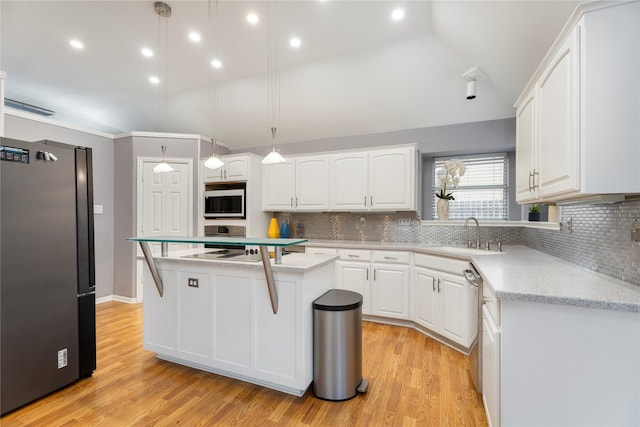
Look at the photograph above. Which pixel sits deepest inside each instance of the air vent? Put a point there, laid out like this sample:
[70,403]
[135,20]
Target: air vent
[18,105]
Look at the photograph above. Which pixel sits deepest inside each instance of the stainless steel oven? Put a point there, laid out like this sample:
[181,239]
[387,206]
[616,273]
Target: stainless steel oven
[475,357]
[225,203]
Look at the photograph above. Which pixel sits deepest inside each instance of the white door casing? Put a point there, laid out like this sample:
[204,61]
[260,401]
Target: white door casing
[164,203]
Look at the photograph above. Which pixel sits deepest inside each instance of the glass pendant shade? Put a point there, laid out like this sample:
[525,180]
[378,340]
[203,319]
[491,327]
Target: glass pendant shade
[163,167]
[273,158]
[213,162]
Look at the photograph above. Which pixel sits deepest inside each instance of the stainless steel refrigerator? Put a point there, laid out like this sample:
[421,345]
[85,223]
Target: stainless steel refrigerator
[47,274]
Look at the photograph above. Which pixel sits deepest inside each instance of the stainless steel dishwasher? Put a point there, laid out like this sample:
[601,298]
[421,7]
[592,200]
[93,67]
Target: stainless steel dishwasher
[475,357]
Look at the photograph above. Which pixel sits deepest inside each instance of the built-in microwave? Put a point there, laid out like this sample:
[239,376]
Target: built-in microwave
[225,203]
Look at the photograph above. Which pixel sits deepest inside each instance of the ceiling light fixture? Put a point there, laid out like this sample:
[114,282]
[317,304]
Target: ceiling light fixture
[146,52]
[295,42]
[214,161]
[154,80]
[472,75]
[397,14]
[194,37]
[164,11]
[273,84]
[76,44]
[252,18]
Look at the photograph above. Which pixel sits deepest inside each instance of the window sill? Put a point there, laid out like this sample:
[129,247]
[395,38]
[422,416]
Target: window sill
[498,223]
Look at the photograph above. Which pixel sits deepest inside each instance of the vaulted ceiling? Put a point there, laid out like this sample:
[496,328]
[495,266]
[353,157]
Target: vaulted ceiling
[357,71]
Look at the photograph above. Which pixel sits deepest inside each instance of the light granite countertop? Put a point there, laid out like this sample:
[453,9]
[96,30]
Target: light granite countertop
[521,273]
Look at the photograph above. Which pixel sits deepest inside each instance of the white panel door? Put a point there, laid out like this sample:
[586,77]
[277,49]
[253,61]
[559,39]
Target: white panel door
[391,179]
[166,201]
[558,104]
[354,276]
[390,291]
[194,306]
[452,292]
[526,176]
[278,187]
[349,187]
[233,315]
[312,183]
[426,298]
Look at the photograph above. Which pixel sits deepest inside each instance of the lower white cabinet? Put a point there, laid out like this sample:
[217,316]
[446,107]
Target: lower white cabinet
[384,286]
[490,367]
[445,303]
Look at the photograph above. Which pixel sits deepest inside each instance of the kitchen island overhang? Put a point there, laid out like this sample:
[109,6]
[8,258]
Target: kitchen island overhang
[216,315]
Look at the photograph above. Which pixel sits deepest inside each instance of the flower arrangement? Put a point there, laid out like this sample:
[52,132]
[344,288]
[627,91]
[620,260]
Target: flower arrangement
[449,176]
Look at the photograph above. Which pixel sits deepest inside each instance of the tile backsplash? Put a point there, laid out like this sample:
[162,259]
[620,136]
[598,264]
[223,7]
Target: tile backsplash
[600,238]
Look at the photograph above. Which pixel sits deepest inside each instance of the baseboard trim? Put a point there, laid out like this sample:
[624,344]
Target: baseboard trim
[118,298]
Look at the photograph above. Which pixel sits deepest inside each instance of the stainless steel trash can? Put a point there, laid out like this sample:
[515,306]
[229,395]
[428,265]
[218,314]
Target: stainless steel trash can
[337,345]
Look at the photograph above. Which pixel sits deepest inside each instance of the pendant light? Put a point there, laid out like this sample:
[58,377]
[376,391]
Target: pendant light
[273,75]
[163,166]
[164,11]
[214,161]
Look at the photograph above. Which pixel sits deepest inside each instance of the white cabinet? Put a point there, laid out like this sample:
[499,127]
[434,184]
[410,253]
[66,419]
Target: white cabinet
[576,116]
[445,302]
[490,368]
[383,179]
[235,168]
[381,277]
[300,184]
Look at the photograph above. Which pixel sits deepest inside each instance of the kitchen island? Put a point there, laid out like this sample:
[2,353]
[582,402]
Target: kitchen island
[217,314]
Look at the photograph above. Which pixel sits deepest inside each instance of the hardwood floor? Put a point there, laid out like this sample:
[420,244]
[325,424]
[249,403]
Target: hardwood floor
[413,381]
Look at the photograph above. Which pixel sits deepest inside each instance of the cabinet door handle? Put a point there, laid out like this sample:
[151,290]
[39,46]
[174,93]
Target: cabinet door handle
[296,201]
[374,274]
[438,285]
[433,283]
[530,176]
[353,256]
[534,179]
[370,200]
[367,274]
[292,202]
[390,257]
[365,200]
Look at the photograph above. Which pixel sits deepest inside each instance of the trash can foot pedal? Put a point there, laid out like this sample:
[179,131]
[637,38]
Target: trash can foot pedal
[363,386]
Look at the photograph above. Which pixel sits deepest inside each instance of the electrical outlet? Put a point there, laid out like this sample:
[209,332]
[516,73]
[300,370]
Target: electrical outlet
[62,358]
[635,231]
[193,283]
[404,222]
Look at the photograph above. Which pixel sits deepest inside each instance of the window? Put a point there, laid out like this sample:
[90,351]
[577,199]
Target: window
[483,189]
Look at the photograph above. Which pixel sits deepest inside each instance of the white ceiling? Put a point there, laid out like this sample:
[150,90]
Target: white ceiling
[357,72]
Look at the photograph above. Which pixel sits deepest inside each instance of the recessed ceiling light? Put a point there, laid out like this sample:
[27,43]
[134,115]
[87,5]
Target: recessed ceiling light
[146,52]
[397,14]
[76,44]
[252,18]
[154,80]
[295,42]
[216,63]
[194,37]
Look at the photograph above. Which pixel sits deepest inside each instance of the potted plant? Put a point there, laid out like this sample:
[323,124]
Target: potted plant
[534,213]
[448,176]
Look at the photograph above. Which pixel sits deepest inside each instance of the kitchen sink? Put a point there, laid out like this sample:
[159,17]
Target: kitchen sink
[468,251]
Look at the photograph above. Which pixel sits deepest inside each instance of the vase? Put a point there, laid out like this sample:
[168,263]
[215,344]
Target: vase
[274,231]
[443,209]
[285,231]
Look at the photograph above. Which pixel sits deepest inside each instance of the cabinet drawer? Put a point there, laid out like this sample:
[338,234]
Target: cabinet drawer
[354,255]
[448,265]
[320,251]
[392,257]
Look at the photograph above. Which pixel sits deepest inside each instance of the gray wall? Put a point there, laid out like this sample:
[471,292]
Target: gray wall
[103,181]
[127,151]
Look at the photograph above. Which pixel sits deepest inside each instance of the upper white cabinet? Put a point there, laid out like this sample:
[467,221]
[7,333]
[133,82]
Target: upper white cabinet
[235,169]
[375,180]
[577,119]
[367,180]
[300,184]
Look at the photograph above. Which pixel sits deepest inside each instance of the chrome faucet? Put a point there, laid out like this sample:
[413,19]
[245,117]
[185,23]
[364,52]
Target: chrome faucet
[466,225]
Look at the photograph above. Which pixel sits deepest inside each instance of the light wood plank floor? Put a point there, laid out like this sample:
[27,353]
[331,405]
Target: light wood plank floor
[413,381]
